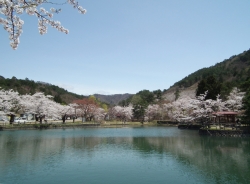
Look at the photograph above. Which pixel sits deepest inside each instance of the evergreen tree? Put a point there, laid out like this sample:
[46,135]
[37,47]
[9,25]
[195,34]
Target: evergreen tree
[146,96]
[246,107]
[211,85]
[58,99]
[139,110]
[245,86]
[158,94]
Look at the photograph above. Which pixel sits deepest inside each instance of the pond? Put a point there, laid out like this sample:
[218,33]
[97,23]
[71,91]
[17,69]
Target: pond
[122,156]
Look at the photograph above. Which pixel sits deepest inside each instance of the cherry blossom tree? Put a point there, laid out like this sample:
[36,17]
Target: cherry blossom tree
[40,105]
[86,108]
[186,109]
[112,113]
[123,114]
[65,110]
[99,114]
[73,111]
[152,112]
[234,101]
[200,109]
[9,103]
[218,104]
[12,10]
[179,110]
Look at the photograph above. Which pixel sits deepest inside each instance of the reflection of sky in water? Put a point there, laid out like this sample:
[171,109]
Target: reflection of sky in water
[122,155]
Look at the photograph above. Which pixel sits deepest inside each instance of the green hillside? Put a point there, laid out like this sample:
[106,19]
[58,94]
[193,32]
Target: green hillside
[230,73]
[30,87]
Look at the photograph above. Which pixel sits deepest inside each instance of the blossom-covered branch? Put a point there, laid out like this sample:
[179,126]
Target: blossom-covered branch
[12,9]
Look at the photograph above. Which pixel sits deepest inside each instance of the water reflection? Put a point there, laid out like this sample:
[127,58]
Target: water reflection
[215,156]
[217,159]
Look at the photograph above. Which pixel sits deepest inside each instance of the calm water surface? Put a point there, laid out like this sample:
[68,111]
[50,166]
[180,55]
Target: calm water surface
[122,156]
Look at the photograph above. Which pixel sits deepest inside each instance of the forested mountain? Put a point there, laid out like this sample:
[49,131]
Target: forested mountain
[60,95]
[229,73]
[30,87]
[112,99]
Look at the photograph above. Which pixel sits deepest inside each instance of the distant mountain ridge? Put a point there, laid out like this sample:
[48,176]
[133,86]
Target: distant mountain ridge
[61,95]
[112,99]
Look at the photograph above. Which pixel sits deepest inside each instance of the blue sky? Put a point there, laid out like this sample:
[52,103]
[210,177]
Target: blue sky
[124,46]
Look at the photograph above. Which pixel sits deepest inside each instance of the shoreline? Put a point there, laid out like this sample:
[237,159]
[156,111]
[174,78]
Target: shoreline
[69,125]
[60,125]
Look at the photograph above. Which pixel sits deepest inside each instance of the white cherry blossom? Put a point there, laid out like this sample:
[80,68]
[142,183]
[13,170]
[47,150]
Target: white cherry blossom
[11,10]
[121,113]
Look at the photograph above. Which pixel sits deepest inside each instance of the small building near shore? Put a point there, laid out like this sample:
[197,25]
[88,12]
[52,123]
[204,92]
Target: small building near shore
[224,117]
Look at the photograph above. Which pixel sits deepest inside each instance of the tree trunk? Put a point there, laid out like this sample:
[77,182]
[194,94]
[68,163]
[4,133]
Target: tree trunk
[142,121]
[41,119]
[64,118]
[12,118]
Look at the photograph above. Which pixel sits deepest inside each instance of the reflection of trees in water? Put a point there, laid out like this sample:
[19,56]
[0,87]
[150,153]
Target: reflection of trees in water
[36,149]
[214,156]
[217,157]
